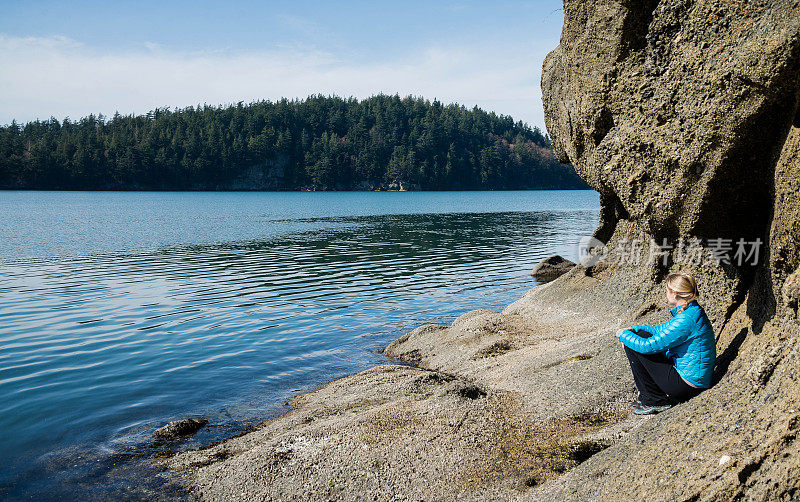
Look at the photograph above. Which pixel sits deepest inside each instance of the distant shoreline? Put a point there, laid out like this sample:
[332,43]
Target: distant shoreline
[317,144]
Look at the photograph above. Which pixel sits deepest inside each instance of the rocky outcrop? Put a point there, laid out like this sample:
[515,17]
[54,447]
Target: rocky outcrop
[684,116]
[673,110]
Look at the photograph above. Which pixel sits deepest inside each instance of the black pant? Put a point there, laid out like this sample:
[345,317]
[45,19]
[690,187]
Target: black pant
[657,380]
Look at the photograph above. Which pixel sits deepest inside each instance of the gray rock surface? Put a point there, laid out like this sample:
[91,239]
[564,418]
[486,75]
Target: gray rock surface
[684,115]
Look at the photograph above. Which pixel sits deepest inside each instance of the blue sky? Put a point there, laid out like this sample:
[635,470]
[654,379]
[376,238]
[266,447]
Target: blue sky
[75,58]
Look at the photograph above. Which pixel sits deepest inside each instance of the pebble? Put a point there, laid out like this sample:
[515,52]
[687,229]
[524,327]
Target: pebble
[724,460]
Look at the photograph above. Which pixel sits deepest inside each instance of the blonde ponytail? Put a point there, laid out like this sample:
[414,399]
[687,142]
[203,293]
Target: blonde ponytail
[684,286]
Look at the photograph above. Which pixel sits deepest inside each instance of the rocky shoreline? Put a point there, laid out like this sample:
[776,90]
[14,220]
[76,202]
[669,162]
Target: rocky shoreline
[524,404]
[685,117]
[494,405]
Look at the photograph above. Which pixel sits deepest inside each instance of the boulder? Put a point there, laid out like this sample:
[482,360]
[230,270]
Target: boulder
[180,428]
[551,268]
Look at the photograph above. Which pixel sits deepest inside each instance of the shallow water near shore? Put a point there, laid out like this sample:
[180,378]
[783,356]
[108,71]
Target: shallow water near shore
[124,310]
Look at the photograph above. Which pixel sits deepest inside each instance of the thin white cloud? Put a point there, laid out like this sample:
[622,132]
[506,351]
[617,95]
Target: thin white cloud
[40,77]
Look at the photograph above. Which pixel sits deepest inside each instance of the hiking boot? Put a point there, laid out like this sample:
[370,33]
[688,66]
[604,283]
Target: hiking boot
[646,409]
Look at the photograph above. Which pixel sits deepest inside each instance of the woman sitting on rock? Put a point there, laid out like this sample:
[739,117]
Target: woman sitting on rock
[672,362]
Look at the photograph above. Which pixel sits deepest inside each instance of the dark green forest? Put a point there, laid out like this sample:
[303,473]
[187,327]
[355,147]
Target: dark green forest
[318,143]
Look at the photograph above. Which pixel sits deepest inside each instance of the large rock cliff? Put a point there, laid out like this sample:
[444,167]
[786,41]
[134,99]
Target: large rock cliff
[684,116]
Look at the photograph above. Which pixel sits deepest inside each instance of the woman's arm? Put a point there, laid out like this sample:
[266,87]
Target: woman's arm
[649,329]
[673,332]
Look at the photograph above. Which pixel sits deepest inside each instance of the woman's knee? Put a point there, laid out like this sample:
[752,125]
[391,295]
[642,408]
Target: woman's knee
[633,355]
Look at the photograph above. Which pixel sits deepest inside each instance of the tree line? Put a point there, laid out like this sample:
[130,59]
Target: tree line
[317,143]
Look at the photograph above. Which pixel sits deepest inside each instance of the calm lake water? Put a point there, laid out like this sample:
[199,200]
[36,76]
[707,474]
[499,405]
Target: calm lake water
[120,311]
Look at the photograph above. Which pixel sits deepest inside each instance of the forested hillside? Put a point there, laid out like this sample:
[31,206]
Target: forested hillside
[319,143]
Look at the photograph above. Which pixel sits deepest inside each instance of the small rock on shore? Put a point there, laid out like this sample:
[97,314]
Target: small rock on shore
[180,428]
[551,268]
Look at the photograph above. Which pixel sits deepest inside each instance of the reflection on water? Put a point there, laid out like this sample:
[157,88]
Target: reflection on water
[98,349]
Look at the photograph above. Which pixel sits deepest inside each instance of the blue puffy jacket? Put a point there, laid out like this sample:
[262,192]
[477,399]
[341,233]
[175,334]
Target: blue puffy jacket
[687,338]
